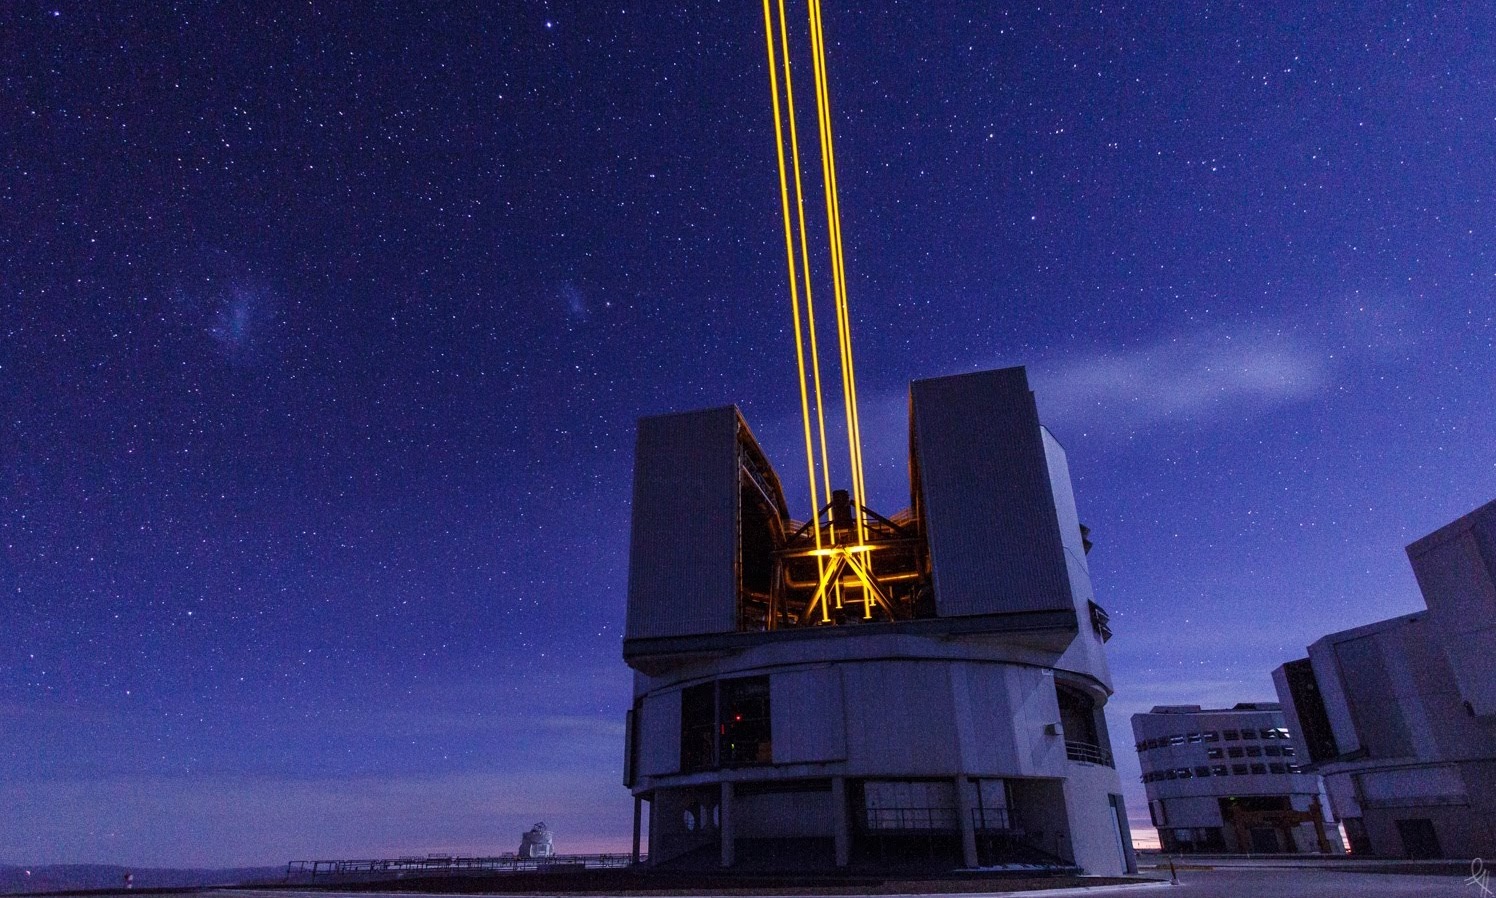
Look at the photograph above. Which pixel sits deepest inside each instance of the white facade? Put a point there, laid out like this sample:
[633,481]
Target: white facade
[1399,716]
[1230,780]
[962,727]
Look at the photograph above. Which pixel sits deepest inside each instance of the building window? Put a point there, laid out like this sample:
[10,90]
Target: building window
[1213,753]
[1276,768]
[1219,770]
[1259,768]
[1211,736]
[1231,735]
[1239,769]
[744,724]
[1288,751]
[1100,622]
[698,726]
[1202,771]
[1254,751]
[725,724]
[928,806]
[1085,738]
[1233,752]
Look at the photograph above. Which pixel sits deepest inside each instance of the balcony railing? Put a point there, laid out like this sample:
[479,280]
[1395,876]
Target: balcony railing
[991,820]
[1088,752]
[924,819]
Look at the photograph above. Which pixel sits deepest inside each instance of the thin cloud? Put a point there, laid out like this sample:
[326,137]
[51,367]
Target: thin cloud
[1196,379]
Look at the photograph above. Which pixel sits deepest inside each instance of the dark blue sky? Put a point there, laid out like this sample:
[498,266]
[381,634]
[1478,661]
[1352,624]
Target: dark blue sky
[325,331]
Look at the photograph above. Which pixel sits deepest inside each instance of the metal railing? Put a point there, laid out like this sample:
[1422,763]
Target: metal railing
[923,819]
[1089,752]
[991,820]
[440,864]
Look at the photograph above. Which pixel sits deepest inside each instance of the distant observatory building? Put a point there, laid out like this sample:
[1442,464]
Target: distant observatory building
[921,688]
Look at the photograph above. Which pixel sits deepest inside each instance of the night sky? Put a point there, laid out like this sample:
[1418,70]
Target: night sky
[325,331]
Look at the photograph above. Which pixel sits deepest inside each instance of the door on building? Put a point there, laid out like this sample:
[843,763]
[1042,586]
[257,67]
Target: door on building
[1119,828]
[1265,840]
[1418,838]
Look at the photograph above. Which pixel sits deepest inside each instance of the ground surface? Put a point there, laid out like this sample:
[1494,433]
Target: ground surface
[1233,879]
[1236,880]
[1243,881]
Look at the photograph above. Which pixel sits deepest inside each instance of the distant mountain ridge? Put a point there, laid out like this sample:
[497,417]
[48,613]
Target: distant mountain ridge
[75,877]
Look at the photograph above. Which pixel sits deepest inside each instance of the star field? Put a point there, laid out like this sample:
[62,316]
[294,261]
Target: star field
[326,327]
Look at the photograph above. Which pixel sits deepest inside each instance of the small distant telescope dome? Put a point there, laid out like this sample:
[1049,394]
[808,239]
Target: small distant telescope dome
[536,842]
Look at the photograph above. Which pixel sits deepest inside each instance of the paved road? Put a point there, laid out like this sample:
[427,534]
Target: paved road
[1221,882]
[1288,882]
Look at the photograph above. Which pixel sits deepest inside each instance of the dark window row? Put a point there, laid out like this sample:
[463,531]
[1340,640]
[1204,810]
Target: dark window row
[1213,736]
[1204,770]
[1251,751]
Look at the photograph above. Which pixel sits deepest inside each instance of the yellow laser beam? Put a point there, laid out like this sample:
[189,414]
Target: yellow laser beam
[789,249]
[810,315]
[849,551]
[838,262]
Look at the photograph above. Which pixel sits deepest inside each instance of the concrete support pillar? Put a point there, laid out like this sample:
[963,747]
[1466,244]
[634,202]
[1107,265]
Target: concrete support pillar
[1321,840]
[839,813]
[638,814]
[727,833]
[653,823]
[968,826]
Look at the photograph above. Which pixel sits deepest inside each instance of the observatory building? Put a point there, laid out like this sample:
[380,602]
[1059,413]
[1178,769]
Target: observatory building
[1230,780]
[1399,716]
[921,688]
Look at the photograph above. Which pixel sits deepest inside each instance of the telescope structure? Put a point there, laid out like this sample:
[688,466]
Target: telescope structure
[922,688]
